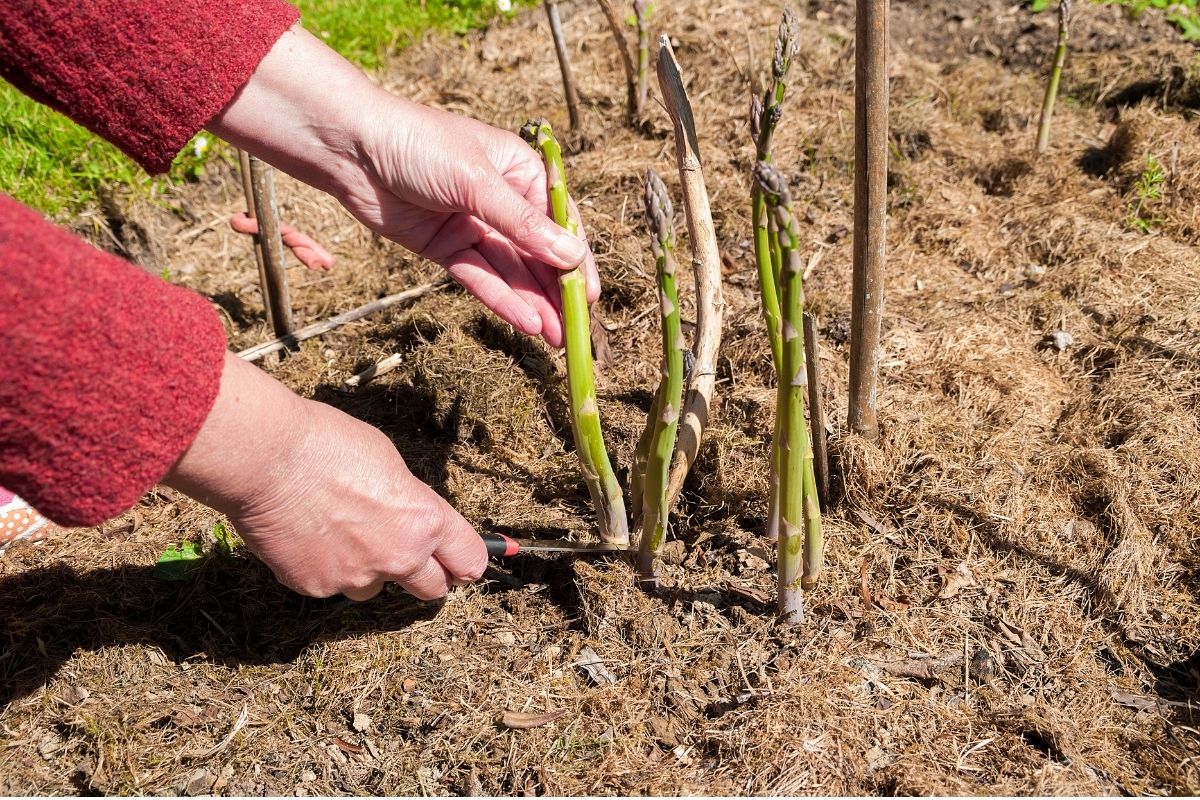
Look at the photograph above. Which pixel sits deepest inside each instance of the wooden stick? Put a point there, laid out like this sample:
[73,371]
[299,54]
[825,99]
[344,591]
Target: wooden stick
[317,328]
[248,190]
[564,62]
[614,23]
[266,211]
[870,211]
[706,265]
[372,372]
[816,410]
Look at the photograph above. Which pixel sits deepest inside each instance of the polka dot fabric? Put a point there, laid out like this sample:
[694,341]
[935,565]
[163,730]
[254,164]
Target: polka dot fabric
[19,522]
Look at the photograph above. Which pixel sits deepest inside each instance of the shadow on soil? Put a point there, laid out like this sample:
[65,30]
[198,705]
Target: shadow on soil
[232,612]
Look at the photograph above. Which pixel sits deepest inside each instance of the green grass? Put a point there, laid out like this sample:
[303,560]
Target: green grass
[1183,14]
[57,167]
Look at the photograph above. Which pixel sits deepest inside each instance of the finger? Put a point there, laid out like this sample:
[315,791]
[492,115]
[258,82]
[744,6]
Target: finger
[429,582]
[495,202]
[474,274]
[510,266]
[366,593]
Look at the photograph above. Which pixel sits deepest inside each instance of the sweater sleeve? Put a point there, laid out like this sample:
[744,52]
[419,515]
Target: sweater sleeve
[108,372]
[144,74]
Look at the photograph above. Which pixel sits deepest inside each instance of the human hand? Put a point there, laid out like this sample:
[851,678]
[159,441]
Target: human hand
[464,194]
[323,499]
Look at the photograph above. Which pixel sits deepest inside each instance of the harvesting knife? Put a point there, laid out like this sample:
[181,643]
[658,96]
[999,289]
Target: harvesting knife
[501,546]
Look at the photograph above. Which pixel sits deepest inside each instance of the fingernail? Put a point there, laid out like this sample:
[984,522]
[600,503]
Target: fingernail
[569,249]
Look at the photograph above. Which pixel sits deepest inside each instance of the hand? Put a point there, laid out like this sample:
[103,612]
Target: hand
[464,194]
[323,499]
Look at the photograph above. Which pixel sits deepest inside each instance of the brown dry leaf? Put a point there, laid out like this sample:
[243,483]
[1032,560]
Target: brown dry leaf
[888,604]
[600,345]
[517,720]
[864,591]
[954,581]
[347,747]
[590,662]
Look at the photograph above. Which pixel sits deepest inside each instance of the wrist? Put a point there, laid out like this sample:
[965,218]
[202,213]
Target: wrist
[247,450]
[305,110]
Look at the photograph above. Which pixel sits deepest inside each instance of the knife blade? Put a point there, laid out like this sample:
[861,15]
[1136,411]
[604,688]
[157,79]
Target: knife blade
[501,546]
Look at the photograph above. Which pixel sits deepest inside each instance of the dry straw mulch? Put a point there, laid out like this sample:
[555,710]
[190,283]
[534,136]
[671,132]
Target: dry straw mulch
[1011,598]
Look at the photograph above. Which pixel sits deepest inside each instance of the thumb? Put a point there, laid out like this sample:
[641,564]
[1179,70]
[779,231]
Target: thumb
[460,549]
[525,225]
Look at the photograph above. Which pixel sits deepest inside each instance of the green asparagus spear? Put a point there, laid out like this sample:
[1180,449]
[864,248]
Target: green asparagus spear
[801,544]
[581,381]
[1060,57]
[665,417]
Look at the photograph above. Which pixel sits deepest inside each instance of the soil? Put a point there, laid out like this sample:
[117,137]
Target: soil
[1011,602]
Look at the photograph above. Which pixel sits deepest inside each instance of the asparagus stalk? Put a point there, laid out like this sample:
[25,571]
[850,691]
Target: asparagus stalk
[765,114]
[1060,57]
[665,417]
[637,475]
[643,56]
[801,544]
[597,470]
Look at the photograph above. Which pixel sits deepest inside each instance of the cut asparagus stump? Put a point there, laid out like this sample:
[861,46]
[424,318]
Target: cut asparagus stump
[801,544]
[663,423]
[597,470]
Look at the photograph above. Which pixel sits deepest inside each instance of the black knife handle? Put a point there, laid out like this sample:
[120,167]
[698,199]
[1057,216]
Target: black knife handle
[500,546]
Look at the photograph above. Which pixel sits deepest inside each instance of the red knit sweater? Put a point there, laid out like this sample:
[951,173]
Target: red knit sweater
[108,373]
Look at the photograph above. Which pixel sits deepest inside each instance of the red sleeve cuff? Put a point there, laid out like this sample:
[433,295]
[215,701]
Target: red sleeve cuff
[109,372]
[144,74]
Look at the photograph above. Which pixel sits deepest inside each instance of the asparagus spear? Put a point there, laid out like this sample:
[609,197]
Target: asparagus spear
[581,381]
[640,12]
[801,544]
[1060,57]
[764,117]
[665,416]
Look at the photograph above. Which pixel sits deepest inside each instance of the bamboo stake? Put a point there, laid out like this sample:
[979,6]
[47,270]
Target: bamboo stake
[324,326]
[564,63]
[266,211]
[664,421]
[248,191]
[631,90]
[816,410]
[870,211]
[1060,57]
[594,463]
[706,266]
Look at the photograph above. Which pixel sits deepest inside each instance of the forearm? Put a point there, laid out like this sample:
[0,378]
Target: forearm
[108,371]
[144,74]
[249,443]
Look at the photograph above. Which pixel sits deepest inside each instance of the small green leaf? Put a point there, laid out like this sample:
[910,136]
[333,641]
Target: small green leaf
[227,540]
[179,563]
